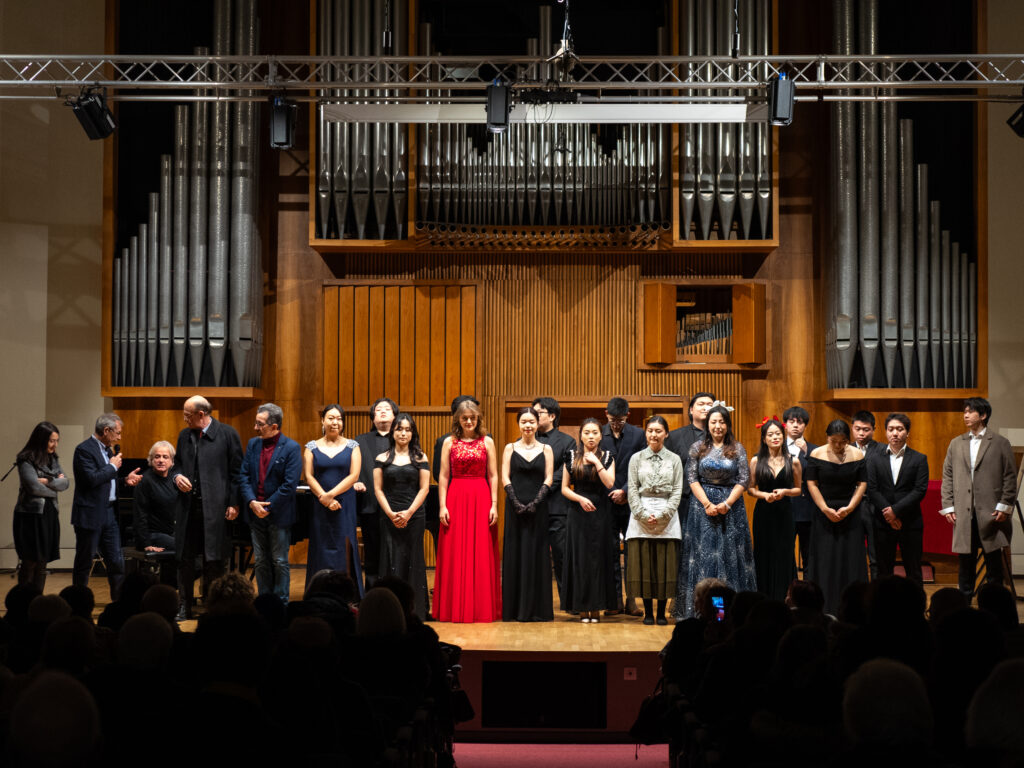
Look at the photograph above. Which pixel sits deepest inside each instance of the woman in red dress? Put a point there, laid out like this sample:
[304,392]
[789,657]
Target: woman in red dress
[467,587]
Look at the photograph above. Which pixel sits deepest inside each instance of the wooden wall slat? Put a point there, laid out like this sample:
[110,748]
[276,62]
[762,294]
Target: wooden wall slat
[375,344]
[407,348]
[346,367]
[452,342]
[437,345]
[422,355]
[467,357]
[331,345]
[392,340]
[360,351]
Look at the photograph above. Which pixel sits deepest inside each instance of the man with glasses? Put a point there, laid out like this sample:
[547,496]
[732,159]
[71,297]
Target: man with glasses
[93,511]
[209,457]
[623,440]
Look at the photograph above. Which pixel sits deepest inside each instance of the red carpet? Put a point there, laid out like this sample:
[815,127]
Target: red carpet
[560,755]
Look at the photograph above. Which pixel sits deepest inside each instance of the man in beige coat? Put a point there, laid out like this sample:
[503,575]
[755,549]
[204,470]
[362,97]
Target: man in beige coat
[979,486]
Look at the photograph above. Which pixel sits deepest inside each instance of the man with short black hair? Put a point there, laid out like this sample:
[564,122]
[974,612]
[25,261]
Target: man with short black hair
[623,440]
[795,419]
[372,443]
[548,414]
[862,428]
[679,440]
[93,510]
[270,474]
[897,483]
[979,488]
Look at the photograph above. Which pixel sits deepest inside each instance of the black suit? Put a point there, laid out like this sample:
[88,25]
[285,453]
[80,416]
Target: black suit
[371,445]
[679,442]
[867,509]
[560,443]
[904,496]
[803,510]
[212,462]
[631,441]
[94,517]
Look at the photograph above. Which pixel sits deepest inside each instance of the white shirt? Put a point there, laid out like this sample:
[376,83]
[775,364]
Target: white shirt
[975,445]
[792,447]
[896,461]
[106,460]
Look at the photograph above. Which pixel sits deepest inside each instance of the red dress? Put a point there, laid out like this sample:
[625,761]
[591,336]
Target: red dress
[467,587]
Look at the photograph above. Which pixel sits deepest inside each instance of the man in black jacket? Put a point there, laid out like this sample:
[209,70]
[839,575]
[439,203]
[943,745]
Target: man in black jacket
[897,483]
[863,429]
[371,445]
[548,414]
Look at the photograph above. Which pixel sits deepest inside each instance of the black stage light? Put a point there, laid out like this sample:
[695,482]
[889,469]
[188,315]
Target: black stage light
[1016,121]
[91,110]
[499,97]
[781,94]
[282,122]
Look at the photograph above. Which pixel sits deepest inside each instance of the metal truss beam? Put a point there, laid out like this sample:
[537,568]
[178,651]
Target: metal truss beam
[973,77]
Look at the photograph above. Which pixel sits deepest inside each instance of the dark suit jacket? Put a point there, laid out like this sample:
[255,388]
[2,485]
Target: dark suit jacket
[282,477]
[905,495]
[436,459]
[92,485]
[220,459]
[802,506]
[632,441]
[369,448]
[679,442]
[560,443]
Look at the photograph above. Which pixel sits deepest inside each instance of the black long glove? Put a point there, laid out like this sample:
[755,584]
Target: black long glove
[541,495]
[517,505]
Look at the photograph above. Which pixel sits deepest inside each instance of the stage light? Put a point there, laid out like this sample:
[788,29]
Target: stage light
[282,122]
[499,98]
[91,110]
[781,94]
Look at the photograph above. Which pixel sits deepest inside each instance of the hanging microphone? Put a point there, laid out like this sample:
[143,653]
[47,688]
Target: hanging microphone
[117,448]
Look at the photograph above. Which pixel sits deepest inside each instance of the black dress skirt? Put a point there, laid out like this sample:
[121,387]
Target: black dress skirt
[526,559]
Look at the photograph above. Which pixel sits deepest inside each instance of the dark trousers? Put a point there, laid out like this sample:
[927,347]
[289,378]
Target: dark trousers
[968,568]
[620,522]
[911,545]
[867,516]
[106,540]
[803,535]
[370,527]
[195,547]
[556,540]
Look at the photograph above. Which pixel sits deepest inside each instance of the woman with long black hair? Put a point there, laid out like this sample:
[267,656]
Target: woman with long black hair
[36,525]
[401,480]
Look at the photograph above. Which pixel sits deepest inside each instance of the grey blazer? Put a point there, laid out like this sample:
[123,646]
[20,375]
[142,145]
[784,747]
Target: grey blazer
[993,483]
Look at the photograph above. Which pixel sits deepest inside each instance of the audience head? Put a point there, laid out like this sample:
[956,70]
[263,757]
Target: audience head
[993,725]
[38,448]
[403,591]
[886,707]
[1000,602]
[54,723]
[707,589]
[853,604]
[161,599]
[895,601]
[145,642]
[46,609]
[805,596]
[231,593]
[272,609]
[380,613]
[336,583]
[944,602]
[980,406]
[468,421]
[134,587]
[17,601]
[69,645]
[81,600]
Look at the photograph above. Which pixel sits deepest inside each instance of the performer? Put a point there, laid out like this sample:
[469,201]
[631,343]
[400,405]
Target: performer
[796,420]
[36,523]
[836,481]
[466,581]
[679,440]
[655,487]
[527,467]
[209,457]
[155,505]
[978,492]
[862,428]
[93,515]
[897,483]
[372,444]
[331,466]
[433,508]
[623,440]
[549,414]
[401,479]
[589,473]
[270,473]
[716,540]
[775,478]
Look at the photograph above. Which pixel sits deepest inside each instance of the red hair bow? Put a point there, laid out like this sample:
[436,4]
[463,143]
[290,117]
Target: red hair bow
[765,420]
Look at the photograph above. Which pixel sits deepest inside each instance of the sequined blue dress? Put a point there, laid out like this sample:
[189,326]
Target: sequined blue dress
[715,547]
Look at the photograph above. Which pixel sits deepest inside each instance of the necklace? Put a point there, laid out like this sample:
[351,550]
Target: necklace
[840,457]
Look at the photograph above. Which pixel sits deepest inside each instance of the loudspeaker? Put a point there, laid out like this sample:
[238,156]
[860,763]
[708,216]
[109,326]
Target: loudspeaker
[498,103]
[781,93]
[91,111]
[282,122]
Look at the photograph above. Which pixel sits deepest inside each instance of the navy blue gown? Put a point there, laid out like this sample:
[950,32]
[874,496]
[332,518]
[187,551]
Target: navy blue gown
[332,534]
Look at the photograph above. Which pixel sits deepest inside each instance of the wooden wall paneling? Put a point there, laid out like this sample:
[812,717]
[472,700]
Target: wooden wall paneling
[437,348]
[360,340]
[331,342]
[452,342]
[407,348]
[375,343]
[468,340]
[659,323]
[393,340]
[345,392]
[423,346]
[748,323]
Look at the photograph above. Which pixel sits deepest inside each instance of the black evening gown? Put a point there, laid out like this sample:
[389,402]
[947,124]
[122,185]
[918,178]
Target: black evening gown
[401,549]
[588,574]
[526,559]
[839,556]
[774,534]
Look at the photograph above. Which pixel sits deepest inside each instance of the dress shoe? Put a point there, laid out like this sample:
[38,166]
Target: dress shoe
[634,611]
[648,619]
[613,612]
[662,621]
